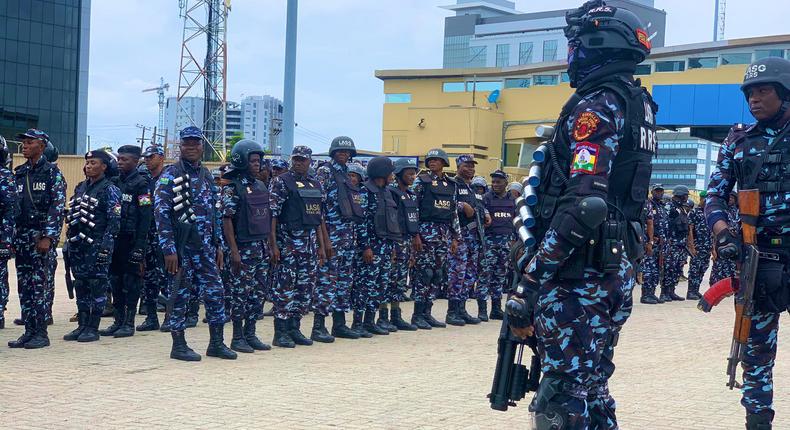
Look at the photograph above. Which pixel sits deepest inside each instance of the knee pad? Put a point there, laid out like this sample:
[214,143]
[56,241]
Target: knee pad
[426,275]
[548,413]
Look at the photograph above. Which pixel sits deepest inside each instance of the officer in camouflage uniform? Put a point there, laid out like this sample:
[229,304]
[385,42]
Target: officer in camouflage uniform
[247,226]
[279,166]
[725,267]
[93,222]
[702,244]
[51,153]
[501,206]
[126,268]
[154,278]
[298,248]
[438,226]
[335,278]
[186,207]
[9,208]
[479,185]
[677,244]
[755,157]
[464,264]
[42,198]
[657,218]
[606,140]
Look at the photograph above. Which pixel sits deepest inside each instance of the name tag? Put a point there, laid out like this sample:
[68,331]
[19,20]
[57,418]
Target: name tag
[442,204]
[312,209]
[126,197]
[502,215]
[463,192]
[39,186]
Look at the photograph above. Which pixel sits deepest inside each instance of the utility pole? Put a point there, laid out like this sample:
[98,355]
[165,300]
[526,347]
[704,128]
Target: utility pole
[289,99]
[142,138]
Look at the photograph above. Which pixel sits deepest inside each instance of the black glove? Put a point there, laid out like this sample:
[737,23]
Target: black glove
[520,307]
[728,245]
[103,257]
[137,255]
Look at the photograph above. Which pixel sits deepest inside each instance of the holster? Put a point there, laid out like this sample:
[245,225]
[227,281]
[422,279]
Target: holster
[771,292]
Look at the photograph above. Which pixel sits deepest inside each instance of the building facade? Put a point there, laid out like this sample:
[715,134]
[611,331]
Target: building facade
[44,70]
[233,120]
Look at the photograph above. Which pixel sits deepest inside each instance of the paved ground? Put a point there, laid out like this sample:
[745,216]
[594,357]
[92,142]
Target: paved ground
[670,375]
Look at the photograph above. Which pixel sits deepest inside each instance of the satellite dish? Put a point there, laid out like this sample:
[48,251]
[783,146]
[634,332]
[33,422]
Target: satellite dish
[493,97]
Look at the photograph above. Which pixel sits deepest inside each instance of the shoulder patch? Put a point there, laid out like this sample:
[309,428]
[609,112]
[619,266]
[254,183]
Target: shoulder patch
[164,181]
[144,200]
[585,158]
[117,209]
[586,124]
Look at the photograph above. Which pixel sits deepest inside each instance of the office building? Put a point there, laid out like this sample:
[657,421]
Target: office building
[233,120]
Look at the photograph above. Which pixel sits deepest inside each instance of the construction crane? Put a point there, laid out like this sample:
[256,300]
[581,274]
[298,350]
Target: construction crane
[719,20]
[161,91]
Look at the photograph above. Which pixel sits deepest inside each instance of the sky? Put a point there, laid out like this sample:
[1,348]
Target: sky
[340,45]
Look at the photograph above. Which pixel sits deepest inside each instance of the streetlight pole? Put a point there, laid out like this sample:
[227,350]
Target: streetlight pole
[289,90]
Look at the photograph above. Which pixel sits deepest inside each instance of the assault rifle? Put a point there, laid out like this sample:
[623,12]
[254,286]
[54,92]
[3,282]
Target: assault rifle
[67,269]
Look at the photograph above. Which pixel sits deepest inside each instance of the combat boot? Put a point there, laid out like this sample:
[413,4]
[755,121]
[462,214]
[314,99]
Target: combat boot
[119,315]
[319,333]
[369,324]
[453,317]
[358,326]
[693,295]
[281,337]
[216,343]
[127,329]
[109,310]
[151,322]
[648,297]
[418,317]
[2,319]
[19,321]
[673,296]
[429,318]
[396,317]
[143,309]
[40,338]
[664,297]
[252,339]
[82,321]
[339,327]
[180,350]
[469,319]
[239,342]
[759,421]
[30,331]
[496,310]
[295,332]
[166,327]
[91,332]
[384,320]
[482,310]
[192,314]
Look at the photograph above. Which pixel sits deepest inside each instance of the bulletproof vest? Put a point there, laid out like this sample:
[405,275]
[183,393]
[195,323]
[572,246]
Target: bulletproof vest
[502,211]
[347,200]
[130,187]
[385,221]
[438,200]
[467,195]
[678,221]
[204,176]
[93,221]
[33,187]
[409,211]
[302,209]
[253,222]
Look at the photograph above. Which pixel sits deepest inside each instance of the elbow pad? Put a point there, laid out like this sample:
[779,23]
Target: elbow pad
[576,224]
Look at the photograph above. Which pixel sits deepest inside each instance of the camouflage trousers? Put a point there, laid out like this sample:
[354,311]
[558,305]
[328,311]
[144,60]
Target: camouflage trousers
[651,272]
[464,265]
[200,271]
[295,281]
[428,271]
[248,287]
[577,323]
[4,286]
[154,279]
[91,280]
[674,258]
[722,268]
[494,280]
[335,278]
[399,275]
[697,268]
[758,363]
[33,275]
[375,277]
[49,296]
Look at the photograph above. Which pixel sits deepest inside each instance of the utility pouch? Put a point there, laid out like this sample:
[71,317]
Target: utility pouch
[609,251]
[771,292]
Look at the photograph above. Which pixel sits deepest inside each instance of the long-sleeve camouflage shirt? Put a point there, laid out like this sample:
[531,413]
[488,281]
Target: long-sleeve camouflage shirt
[56,188]
[430,230]
[702,236]
[301,240]
[9,207]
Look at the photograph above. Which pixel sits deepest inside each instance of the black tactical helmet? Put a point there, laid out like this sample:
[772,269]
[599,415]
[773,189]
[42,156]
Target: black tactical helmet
[358,169]
[438,153]
[402,164]
[343,142]
[769,70]
[598,26]
[5,157]
[240,155]
[51,152]
[380,167]
[680,191]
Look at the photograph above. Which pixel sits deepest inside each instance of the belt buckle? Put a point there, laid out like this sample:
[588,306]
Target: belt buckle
[769,256]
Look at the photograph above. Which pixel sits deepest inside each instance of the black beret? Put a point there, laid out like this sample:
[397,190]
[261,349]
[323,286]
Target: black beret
[131,149]
[101,155]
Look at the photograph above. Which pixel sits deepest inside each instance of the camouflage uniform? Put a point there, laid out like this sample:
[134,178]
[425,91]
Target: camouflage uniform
[494,279]
[651,271]
[674,249]
[402,254]
[703,245]
[374,277]
[154,278]
[465,263]
[9,208]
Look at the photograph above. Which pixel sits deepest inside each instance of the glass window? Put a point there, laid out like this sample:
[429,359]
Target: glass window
[525,53]
[703,62]
[735,59]
[643,69]
[503,55]
[549,50]
[484,86]
[453,87]
[397,98]
[545,80]
[564,77]
[670,66]
[477,56]
[517,83]
[763,53]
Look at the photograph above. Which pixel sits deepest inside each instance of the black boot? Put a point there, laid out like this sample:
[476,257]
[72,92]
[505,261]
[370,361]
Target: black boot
[151,322]
[192,314]
[143,310]
[180,350]
[758,421]
[453,317]
[396,317]
[369,324]
[216,343]
[30,331]
[664,297]
[281,337]
[384,320]
[358,326]
[469,319]
[2,320]
[294,330]
[166,327]
[319,333]
[118,314]
[339,327]
[40,338]
[648,297]
[429,318]
[482,310]
[127,329]
[252,339]
[91,332]
[496,310]
[82,321]
[418,317]
[693,294]
[239,342]
[19,321]
[673,296]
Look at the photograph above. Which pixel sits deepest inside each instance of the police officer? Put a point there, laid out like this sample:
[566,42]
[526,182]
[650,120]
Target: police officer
[725,267]
[93,221]
[186,210]
[702,245]
[154,278]
[126,268]
[335,278]
[279,166]
[501,206]
[464,264]
[515,189]
[582,274]
[9,207]
[678,243]
[755,157]
[656,228]
[42,194]
[51,153]
[479,185]
[436,196]
[298,246]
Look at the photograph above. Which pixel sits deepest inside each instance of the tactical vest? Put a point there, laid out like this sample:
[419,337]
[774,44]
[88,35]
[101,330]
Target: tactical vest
[409,211]
[385,221]
[502,211]
[98,214]
[347,199]
[253,222]
[467,195]
[130,187]
[438,200]
[302,209]
[678,222]
[204,176]
[33,187]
